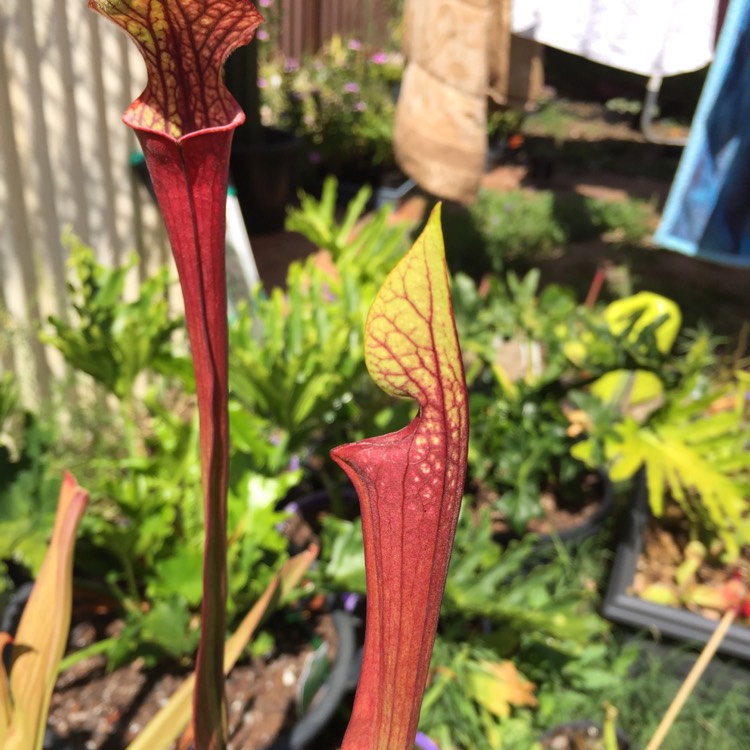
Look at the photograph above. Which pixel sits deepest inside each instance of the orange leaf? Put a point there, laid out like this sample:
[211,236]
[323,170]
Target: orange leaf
[43,631]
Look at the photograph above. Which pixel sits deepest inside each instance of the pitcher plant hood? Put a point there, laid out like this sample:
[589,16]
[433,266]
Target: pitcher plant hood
[410,485]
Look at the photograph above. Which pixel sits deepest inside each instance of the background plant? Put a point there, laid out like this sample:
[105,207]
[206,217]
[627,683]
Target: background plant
[28,490]
[101,340]
[516,343]
[691,443]
[143,532]
[501,607]
[547,371]
[522,227]
[304,375]
[339,101]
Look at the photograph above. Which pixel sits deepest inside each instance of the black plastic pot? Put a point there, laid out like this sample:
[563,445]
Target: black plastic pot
[347,665]
[627,609]
[11,614]
[265,175]
[319,500]
[341,682]
[623,741]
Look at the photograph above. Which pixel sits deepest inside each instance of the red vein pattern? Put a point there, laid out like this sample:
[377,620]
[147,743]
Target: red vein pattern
[184,45]
[184,120]
[410,485]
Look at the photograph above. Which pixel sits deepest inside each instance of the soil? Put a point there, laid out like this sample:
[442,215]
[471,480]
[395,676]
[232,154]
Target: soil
[662,555]
[93,709]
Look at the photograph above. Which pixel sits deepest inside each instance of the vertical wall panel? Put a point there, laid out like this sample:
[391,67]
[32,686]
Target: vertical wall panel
[19,273]
[73,165]
[54,298]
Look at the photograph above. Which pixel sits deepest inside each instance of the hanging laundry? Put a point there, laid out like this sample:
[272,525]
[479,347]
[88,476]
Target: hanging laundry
[662,37]
[707,213]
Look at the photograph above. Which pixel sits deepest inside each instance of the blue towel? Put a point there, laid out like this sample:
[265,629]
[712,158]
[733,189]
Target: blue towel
[707,214]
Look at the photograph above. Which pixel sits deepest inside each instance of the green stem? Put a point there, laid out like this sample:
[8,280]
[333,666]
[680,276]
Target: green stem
[100,647]
[130,580]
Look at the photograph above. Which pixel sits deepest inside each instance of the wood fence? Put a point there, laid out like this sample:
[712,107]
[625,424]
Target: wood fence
[66,75]
[307,24]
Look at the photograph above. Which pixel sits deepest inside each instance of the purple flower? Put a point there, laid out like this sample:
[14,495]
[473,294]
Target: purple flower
[423,742]
[262,83]
[265,3]
[262,35]
[291,65]
[350,601]
[360,107]
[351,87]
[355,44]
[379,58]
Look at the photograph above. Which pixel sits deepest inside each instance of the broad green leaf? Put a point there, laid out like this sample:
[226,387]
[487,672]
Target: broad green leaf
[637,312]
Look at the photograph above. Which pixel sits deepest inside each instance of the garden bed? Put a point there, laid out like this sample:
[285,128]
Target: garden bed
[102,710]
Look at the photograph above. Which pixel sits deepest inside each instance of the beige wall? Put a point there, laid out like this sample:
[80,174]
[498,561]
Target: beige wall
[65,77]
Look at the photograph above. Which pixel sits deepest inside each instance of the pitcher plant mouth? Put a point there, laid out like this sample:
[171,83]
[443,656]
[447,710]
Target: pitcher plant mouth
[410,485]
[184,120]
[184,44]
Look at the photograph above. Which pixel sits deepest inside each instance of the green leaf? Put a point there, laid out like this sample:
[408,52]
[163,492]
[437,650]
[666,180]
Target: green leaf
[178,576]
[166,625]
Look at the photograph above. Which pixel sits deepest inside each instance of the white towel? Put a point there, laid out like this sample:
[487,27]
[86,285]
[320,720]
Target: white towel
[649,37]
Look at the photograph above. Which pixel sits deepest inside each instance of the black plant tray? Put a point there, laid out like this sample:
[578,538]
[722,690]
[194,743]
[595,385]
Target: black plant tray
[624,608]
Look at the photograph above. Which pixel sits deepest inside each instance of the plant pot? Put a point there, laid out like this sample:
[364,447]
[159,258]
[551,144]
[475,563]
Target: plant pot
[320,500]
[579,735]
[573,534]
[13,608]
[627,609]
[304,524]
[265,175]
[329,697]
